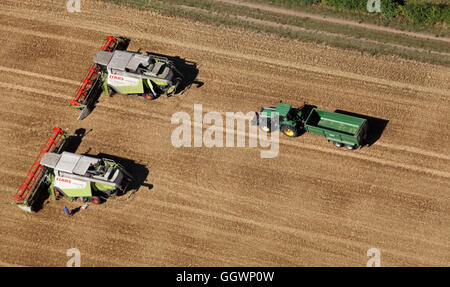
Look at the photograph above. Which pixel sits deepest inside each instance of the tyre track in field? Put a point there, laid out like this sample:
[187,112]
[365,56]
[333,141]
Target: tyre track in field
[214,220]
[286,142]
[276,62]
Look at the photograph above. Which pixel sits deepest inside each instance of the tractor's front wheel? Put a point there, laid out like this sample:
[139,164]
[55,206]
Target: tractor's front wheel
[265,126]
[289,131]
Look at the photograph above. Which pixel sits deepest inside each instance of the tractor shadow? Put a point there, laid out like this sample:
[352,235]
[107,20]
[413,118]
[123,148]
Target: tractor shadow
[376,126]
[71,144]
[188,69]
[138,171]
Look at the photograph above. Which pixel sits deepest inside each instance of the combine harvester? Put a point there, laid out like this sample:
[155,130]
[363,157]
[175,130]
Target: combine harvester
[116,70]
[342,130]
[64,173]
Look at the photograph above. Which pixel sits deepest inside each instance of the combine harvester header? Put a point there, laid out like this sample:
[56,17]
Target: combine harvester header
[28,191]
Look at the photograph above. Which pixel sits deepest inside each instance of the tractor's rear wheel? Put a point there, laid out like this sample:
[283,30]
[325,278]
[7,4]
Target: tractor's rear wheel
[96,200]
[336,144]
[289,131]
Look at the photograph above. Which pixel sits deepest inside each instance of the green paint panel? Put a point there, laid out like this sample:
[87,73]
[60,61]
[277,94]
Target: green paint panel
[125,90]
[78,192]
[334,126]
[283,109]
[102,187]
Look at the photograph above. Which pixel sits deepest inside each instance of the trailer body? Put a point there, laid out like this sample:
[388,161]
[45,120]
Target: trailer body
[339,128]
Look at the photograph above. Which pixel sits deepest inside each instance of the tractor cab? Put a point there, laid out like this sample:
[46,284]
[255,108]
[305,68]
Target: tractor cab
[290,120]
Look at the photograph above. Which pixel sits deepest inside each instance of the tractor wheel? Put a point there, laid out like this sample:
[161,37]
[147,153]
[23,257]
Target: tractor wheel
[96,200]
[289,131]
[149,96]
[265,126]
[336,144]
[350,147]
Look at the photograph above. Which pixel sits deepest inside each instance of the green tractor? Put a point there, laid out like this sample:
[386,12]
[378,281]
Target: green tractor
[341,129]
[289,120]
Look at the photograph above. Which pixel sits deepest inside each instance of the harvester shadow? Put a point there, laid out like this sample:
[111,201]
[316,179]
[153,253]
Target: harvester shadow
[73,142]
[138,171]
[376,126]
[188,69]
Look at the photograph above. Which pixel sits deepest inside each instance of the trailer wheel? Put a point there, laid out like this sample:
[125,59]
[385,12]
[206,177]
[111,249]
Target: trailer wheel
[289,131]
[350,147]
[96,200]
[337,144]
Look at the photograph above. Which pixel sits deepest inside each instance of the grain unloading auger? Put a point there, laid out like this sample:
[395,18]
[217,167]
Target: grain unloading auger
[91,86]
[35,181]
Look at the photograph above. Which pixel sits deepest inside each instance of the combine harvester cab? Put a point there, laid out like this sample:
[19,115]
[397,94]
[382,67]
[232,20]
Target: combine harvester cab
[116,70]
[62,173]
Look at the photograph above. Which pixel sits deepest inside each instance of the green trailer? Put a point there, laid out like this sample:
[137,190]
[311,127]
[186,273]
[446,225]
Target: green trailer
[342,130]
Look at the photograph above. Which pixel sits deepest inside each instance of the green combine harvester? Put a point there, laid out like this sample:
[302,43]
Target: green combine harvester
[116,70]
[65,174]
[342,130]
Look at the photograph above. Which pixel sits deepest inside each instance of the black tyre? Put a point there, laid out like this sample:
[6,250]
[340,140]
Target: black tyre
[337,144]
[289,131]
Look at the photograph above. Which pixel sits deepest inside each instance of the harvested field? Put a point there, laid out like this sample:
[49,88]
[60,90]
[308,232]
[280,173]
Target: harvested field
[313,205]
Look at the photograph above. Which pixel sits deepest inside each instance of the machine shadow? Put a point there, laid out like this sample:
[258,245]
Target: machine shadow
[188,69]
[376,126]
[138,171]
